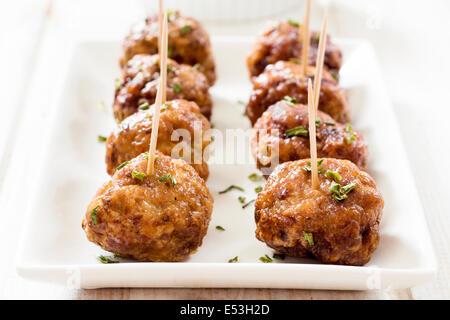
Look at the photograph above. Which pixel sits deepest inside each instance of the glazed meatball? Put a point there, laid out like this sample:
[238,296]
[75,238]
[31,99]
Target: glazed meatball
[188,42]
[336,224]
[284,127]
[162,217]
[285,79]
[141,80]
[280,42]
[133,135]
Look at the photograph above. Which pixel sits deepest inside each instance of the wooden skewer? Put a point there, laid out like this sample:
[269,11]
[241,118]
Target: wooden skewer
[160,23]
[305,36]
[312,137]
[320,60]
[159,98]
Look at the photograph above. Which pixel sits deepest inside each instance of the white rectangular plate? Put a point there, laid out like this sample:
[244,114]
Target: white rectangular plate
[54,247]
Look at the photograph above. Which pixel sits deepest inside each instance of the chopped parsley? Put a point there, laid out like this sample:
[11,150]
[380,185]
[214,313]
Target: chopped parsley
[295,60]
[279,256]
[255,177]
[308,167]
[293,23]
[138,175]
[169,51]
[317,37]
[177,88]
[330,123]
[144,106]
[164,107]
[94,216]
[334,75]
[248,203]
[352,136]
[185,30]
[231,188]
[290,100]
[101,138]
[118,83]
[233,260]
[220,228]
[333,175]
[308,237]
[266,259]
[258,189]
[169,68]
[339,192]
[299,131]
[241,199]
[168,177]
[106,260]
[123,164]
[196,66]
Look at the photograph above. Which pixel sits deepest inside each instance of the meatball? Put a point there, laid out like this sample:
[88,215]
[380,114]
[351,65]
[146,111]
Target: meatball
[188,42]
[133,135]
[285,79]
[280,42]
[162,217]
[339,227]
[141,80]
[284,127]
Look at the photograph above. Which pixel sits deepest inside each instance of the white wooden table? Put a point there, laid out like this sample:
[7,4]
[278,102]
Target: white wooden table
[36,38]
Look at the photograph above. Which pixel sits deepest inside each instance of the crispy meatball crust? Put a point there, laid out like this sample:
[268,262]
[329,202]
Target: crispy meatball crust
[140,85]
[285,79]
[151,220]
[334,140]
[280,42]
[188,43]
[133,135]
[343,232]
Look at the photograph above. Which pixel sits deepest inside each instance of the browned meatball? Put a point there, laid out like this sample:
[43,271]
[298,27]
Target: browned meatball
[141,80]
[133,136]
[284,126]
[188,42]
[280,42]
[162,217]
[285,79]
[339,227]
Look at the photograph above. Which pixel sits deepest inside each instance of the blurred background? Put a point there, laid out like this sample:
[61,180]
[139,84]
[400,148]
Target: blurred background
[410,37]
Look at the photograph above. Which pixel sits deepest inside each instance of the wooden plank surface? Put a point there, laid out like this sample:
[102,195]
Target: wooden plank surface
[43,53]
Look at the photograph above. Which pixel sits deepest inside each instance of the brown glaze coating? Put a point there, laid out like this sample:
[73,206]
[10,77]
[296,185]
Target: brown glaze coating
[280,42]
[188,43]
[334,140]
[151,220]
[344,232]
[133,135]
[140,85]
[285,79]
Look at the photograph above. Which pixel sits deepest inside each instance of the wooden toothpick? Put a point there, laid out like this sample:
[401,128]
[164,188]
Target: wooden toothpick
[159,98]
[160,23]
[320,60]
[305,36]
[312,137]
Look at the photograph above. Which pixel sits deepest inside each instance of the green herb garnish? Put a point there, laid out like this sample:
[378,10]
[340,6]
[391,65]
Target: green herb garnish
[316,37]
[168,177]
[118,83]
[164,107]
[290,100]
[220,228]
[138,175]
[293,23]
[330,123]
[266,259]
[255,177]
[144,106]
[233,260]
[319,168]
[123,164]
[352,136]
[177,88]
[299,131]
[295,60]
[94,216]
[258,189]
[308,238]
[169,51]
[106,260]
[279,256]
[248,203]
[185,30]
[241,199]
[231,188]
[101,138]
[339,192]
[196,66]
[333,175]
